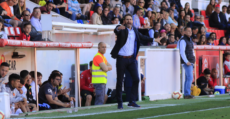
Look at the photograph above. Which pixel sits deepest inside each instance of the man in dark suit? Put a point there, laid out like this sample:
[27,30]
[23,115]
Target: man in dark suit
[125,51]
[217,19]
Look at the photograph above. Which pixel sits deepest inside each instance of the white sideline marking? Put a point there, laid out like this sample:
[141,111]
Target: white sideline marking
[106,112]
[183,112]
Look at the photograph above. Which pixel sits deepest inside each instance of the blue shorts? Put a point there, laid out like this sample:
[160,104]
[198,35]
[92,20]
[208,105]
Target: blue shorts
[7,20]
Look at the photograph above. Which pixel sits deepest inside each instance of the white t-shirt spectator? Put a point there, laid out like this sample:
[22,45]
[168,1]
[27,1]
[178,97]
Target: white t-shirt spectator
[36,23]
[147,22]
[227,16]
[33,89]
[3,35]
[12,9]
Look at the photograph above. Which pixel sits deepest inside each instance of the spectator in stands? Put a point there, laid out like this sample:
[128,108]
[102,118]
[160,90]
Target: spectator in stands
[9,17]
[163,5]
[3,35]
[195,31]
[228,41]
[26,34]
[167,27]
[117,3]
[210,8]
[107,4]
[128,9]
[156,6]
[194,39]
[4,69]
[202,40]
[173,7]
[213,35]
[156,35]
[115,20]
[163,42]
[99,3]
[173,29]
[187,10]
[228,13]
[34,34]
[116,13]
[222,41]
[29,91]
[59,7]
[210,41]
[136,19]
[149,5]
[153,31]
[169,19]
[212,82]
[179,32]
[202,20]
[153,19]
[172,39]
[218,20]
[141,4]
[133,3]
[202,82]
[173,18]
[224,11]
[163,33]
[148,18]
[227,64]
[39,79]
[191,24]
[19,8]
[106,17]
[96,17]
[181,19]
[15,97]
[74,8]
[201,32]
[48,94]
[47,8]
[35,19]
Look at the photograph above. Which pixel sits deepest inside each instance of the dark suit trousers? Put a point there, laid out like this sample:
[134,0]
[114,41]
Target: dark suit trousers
[122,65]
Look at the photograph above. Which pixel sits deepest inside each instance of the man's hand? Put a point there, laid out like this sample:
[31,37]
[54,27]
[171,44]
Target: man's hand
[20,91]
[158,40]
[78,15]
[121,27]
[65,90]
[70,12]
[4,13]
[66,105]
[188,63]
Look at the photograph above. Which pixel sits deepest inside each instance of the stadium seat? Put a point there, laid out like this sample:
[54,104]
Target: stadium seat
[202,12]
[192,18]
[17,33]
[91,13]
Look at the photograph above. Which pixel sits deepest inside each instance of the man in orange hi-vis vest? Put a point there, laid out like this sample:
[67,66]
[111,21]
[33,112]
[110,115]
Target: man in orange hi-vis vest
[100,67]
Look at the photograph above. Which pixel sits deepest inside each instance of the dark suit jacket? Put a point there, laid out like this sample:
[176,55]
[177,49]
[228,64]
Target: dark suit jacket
[214,22]
[122,36]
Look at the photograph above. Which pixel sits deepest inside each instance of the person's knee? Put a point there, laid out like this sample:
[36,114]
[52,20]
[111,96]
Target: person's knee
[88,97]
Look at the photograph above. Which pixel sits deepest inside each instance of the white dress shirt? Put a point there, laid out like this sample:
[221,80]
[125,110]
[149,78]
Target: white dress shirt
[128,48]
[36,23]
[33,90]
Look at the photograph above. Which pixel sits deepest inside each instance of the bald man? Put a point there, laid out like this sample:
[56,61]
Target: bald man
[100,67]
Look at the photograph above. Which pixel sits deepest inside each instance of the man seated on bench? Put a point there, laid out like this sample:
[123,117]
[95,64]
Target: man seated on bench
[48,94]
[212,82]
[227,64]
[202,82]
[15,97]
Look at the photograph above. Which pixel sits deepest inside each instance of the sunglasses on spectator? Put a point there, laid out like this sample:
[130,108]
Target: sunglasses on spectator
[26,15]
[58,79]
[141,2]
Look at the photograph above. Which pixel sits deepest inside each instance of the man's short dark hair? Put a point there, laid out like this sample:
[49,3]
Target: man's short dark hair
[22,81]
[127,15]
[127,1]
[172,3]
[5,64]
[91,63]
[55,71]
[23,74]
[137,9]
[35,8]
[162,2]
[194,27]
[114,18]
[48,2]
[207,71]
[210,38]
[53,76]
[171,10]
[26,24]
[24,12]
[14,77]
[163,40]
[156,35]
[224,6]
[170,35]
[32,74]
[185,28]
[61,74]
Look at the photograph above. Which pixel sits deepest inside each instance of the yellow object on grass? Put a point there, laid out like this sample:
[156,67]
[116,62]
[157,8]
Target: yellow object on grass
[195,91]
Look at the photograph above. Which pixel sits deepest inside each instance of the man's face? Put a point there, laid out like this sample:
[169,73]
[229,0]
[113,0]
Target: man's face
[101,1]
[187,18]
[26,16]
[171,12]
[4,70]
[171,39]
[15,83]
[29,81]
[217,9]
[167,27]
[39,80]
[37,13]
[102,48]
[127,4]
[27,29]
[129,21]
[133,2]
[158,26]
[207,76]
[116,11]
[224,9]
[56,81]
[115,21]
[195,31]
[188,32]
[49,7]
[173,7]
[141,3]
[139,12]
[163,5]
[107,2]
[198,18]
[214,74]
